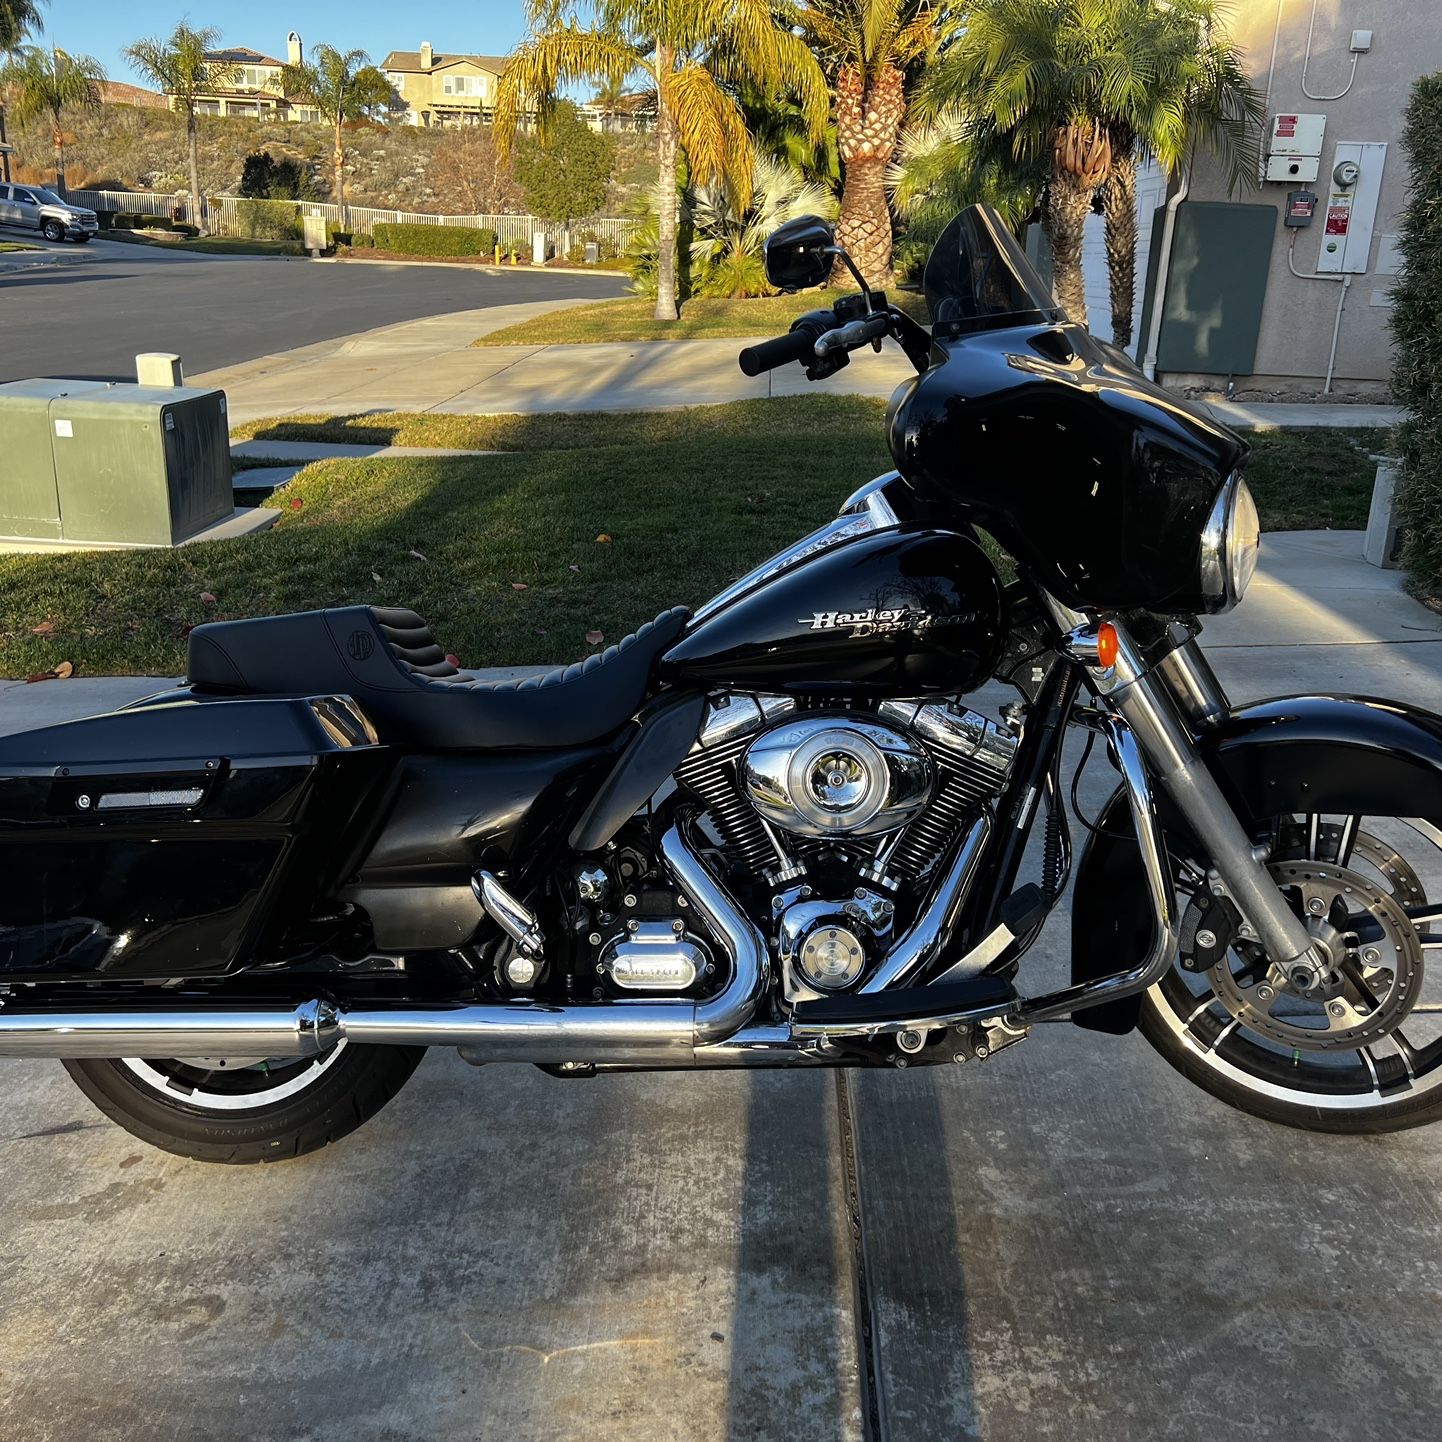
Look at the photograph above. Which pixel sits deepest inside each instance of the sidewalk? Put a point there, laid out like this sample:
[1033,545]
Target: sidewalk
[430,365]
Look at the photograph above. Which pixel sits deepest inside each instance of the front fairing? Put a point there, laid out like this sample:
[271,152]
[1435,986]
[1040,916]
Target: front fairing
[1098,481]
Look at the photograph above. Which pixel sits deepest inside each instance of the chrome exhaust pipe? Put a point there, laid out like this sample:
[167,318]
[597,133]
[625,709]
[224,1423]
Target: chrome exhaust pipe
[655,1033]
[305,1030]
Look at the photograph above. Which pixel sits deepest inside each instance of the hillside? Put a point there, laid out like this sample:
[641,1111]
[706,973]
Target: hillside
[120,147]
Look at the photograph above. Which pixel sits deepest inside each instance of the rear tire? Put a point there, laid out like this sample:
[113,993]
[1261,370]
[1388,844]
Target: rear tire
[254,1113]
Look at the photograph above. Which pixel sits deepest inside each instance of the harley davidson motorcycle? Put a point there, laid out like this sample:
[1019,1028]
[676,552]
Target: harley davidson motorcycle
[772,833]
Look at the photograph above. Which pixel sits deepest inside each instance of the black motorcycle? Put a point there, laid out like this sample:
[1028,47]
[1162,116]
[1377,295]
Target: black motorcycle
[772,833]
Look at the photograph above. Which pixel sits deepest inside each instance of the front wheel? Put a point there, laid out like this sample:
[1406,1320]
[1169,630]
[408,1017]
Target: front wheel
[246,1109]
[53,230]
[1362,1050]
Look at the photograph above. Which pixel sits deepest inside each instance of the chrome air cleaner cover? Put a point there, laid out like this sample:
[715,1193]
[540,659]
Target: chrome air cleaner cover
[826,776]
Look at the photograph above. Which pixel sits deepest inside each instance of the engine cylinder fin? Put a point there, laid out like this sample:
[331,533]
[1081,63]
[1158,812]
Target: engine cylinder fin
[713,776]
[960,791]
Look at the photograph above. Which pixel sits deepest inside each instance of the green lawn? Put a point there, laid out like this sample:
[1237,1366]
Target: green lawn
[6,245]
[701,318]
[208,244]
[591,523]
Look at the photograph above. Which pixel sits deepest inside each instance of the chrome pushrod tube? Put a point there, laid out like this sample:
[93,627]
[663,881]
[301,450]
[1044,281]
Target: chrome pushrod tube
[1150,970]
[932,929]
[643,1033]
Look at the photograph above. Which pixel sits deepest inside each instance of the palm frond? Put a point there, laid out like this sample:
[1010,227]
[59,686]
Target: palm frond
[711,129]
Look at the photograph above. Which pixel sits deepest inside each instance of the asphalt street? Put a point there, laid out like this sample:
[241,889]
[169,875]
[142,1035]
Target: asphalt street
[91,316]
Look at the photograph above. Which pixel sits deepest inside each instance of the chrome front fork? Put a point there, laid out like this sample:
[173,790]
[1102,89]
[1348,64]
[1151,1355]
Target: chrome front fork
[1152,702]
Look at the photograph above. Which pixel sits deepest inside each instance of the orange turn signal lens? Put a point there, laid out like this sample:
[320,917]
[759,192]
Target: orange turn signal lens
[1107,645]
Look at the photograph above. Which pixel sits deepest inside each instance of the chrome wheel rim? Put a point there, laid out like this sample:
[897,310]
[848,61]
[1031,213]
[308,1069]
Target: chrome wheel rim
[1378,872]
[230,1084]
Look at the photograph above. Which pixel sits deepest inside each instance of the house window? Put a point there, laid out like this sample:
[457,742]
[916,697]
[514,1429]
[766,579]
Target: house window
[253,77]
[462,85]
[396,79]
[207,107]
[306,114]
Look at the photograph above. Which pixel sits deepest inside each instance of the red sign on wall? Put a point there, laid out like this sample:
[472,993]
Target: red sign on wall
[1337,218]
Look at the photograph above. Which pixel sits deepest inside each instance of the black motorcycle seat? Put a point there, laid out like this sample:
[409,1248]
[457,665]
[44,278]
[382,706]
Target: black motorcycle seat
[387,659]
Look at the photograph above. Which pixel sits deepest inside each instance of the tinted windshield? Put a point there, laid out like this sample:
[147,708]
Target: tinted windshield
[978,278]
[45,197]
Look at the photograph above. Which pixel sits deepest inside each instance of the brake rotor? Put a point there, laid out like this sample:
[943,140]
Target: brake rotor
[1378,977]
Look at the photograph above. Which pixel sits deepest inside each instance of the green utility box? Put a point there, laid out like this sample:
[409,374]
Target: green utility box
[112,464]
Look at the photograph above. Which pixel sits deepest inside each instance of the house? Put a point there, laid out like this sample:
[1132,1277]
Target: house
[116,92]
[1283,287]
[436,89]
[254,89]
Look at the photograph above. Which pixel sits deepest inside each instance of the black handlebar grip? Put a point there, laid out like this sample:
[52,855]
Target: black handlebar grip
[799,345]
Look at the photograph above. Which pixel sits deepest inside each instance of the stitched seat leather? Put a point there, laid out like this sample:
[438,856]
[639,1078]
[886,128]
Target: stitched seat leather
[389,661]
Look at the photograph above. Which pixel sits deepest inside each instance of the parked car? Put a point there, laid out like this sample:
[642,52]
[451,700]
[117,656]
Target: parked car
[32,207]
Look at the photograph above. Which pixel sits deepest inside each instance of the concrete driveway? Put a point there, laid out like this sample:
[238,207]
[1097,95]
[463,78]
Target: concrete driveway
[1066,1242]
[110,300]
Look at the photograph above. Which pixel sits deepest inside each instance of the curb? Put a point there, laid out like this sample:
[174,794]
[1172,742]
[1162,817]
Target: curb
[483,267]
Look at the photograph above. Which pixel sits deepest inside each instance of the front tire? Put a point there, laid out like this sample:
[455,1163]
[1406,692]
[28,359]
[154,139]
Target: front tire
[246,1110]
[52,230]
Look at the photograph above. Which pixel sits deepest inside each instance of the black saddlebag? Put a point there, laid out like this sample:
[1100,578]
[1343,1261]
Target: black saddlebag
[175,838]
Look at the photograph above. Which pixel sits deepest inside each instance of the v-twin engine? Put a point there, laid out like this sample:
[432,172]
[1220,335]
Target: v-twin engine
[889,788]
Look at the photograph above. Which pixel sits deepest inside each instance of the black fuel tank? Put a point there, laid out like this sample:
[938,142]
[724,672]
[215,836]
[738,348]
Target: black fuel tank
[895,613]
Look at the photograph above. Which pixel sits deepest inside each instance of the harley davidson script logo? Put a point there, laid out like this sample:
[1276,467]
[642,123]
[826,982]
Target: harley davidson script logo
[877,620]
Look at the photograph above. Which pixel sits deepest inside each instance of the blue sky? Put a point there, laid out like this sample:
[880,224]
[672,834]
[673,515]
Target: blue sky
[103,28]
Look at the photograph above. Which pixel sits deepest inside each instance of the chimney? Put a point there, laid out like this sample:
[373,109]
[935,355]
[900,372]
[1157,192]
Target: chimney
[294,52]
[427,55]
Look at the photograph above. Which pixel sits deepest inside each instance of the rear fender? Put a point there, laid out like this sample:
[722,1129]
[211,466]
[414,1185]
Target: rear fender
[1328,754]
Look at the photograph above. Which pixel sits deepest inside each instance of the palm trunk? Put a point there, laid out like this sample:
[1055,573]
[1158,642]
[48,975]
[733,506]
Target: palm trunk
[1121,237]
[339,159]
[666,219]
[192,136]
[868,122]
[59,139]
[1068,203]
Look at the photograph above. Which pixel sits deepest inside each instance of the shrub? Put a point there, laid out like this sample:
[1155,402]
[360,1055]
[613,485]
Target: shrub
[1416,303]
[182,227]
[435,239]
[267,220]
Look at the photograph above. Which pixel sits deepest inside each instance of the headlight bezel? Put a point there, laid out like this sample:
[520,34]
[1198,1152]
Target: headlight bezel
[1231,541]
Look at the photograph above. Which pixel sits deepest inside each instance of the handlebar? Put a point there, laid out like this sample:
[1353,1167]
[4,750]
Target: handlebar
[800,345]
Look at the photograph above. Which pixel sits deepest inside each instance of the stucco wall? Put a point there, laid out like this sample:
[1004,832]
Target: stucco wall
[1298,315]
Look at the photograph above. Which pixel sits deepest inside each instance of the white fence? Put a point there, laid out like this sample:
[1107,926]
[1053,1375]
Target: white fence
[510,229]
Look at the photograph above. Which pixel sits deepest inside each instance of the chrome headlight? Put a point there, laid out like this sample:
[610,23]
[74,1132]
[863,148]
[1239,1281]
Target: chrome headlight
[1231,542]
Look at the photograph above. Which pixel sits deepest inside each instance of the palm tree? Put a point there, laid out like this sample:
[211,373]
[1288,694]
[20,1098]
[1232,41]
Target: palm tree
[179,66]
[871,49]
[18,18]
[343,87]
[690,52]
[48,83]
[1066,95]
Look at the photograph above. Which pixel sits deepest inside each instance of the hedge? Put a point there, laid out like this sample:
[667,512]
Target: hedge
[267,220]
[434,239]
[1416,304]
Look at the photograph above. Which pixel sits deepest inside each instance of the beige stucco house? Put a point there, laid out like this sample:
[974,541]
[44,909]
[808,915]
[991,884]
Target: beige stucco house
[255,89]
[437,89]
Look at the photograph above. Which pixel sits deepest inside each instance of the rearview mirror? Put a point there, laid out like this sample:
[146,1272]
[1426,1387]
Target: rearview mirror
[800,253]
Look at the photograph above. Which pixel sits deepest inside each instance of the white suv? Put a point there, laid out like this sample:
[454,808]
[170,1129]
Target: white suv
[31,207]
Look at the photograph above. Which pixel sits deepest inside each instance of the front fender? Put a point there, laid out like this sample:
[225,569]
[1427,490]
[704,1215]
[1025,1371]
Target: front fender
[1348,755]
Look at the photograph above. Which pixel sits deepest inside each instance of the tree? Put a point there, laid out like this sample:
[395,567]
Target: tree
[47,83]
[870,49]
[468,175]
[18,18]
[263,177]
[1066,95]
[690,52]
[566,170]
[344,88]
[179,67]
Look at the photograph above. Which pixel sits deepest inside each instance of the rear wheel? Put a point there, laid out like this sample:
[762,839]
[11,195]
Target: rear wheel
[246,1109]
[1359,1051]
